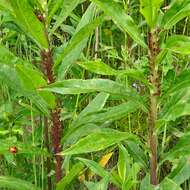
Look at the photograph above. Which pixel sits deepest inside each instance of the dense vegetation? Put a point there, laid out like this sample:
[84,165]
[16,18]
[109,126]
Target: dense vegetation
[94,94]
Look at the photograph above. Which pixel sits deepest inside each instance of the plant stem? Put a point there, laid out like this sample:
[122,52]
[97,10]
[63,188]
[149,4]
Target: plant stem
[154,80]
[56,129]
[47,63]
[33,144]
[48,161]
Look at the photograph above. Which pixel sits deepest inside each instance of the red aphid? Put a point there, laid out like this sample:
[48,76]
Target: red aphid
[40,17]
[13,149]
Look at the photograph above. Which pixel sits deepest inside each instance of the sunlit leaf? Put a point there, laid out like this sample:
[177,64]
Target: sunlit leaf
[150,10]
[178,10]
[16,184]
[98,141]
[123,20]
[28,22]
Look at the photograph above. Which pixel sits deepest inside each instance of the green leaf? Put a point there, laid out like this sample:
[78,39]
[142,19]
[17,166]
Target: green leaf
[161,56]
[98,141]
[74,172]
[74,132]
[7,57]
[19,75]
[98,67]
[94,167]
[16,184]
[5,5]
[178,44]
[176,111]
[181,172]
[9,76]
[137,154]
[101,68]
[168,184]
[150,10]
[28,22]
[66,8]
[123,20]
[101,185]
[31,80]
[77,86]
[110,114]
[95,105]
[145,183]
[99,170]
[181,149]
[92,122]
[123,163]
[177,104]
[78,41]
[182,82]
[178,10]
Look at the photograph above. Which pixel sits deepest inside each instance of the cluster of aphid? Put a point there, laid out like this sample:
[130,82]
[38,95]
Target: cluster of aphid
[13,149]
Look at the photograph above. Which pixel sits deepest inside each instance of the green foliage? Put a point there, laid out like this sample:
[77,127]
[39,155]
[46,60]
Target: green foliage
[177,11]
[93,79]
[97,141]
[150,10]
[28,22]
[17,184]
[123,20]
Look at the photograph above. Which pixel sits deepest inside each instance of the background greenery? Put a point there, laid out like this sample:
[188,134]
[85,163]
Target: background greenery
[120,93]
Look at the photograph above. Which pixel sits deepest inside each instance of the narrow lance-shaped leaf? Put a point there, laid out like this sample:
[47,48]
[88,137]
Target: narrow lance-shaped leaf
[178,10]
[16,184]
[66,8]
[98,141]
[110,114]
[178,44]
[145,183]
[32,79]
[98,169]
[78,41]
[101,185]
[102,68]
[180,173]
[175,43]
[5,5]
[98,67]
[168,184]
[75,86]
[123,20]
[75,41]
[123,163]
[92,122]
[73,173]
[28,22]
[94,167]
[94,106]
[181,149]
[74,132]
[150,10]
[180,83]
[20,76]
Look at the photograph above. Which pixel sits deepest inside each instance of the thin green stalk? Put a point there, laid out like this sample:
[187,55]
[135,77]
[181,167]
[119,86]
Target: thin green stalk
[42,157]
[33,144]
[164,138]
